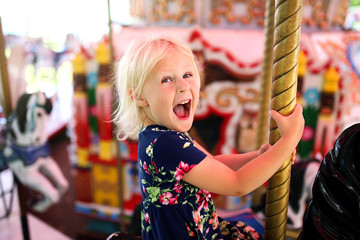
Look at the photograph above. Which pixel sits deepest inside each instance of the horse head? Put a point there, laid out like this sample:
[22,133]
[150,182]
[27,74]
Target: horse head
[28,124]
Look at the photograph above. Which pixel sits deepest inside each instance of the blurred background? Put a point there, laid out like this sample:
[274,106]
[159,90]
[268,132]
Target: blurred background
[67,48]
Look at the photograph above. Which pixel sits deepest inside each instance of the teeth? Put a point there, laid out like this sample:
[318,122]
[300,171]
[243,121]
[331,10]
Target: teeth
[184,102]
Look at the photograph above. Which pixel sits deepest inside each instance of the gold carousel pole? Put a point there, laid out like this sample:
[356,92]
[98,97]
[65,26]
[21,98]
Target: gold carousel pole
[118,157]
[4,76]
[266,76]
[110,35]
[265,90]
[283,99]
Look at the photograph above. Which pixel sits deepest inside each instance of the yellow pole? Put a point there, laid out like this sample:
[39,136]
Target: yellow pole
[110,34]
[266,76]
[283,99]
[4,76]
[265,90]
[118,157]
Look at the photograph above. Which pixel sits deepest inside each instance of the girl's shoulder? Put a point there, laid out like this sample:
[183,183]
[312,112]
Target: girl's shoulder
[162,133]
[163,138]
[161,144]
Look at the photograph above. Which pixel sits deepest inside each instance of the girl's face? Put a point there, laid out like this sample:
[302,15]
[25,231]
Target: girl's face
[171,93]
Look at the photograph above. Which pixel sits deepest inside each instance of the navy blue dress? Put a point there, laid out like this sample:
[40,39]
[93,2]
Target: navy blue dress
[172,208]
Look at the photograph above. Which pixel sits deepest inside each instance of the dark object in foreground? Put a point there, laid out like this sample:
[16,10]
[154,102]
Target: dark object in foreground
[334,211]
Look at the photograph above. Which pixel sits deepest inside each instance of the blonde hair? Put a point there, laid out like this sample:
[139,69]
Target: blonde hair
[132,71]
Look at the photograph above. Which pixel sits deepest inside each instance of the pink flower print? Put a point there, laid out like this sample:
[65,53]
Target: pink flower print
[252,232]
[156,169]
[147,218]
[197,219]
[182,169]
[177,188]
[214,221]
[165,198]
[249,229]
[255,235]
[203,198]
[196,216]
[191,233]
[146,168]
[173,201]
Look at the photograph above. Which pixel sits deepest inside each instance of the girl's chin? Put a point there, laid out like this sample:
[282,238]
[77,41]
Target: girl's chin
[183,127]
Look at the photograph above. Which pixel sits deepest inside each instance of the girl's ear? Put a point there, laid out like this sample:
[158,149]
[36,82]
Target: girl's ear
[139,100]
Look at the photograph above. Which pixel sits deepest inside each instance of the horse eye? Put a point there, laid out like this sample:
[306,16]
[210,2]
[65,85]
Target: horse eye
[39,114]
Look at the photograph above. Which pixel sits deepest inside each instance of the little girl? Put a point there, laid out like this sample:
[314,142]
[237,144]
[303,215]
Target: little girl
[158,86]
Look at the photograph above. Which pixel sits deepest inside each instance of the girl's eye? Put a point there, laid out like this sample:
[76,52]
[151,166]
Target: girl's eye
[187,75]
[165,80]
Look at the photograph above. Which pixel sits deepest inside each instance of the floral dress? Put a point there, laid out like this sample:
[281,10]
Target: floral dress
[172,208]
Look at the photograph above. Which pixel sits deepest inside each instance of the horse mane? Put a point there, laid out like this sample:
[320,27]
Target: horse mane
[48,106]
[21,111]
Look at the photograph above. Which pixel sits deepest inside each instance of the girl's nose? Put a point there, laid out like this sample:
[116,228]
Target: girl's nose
[182,85]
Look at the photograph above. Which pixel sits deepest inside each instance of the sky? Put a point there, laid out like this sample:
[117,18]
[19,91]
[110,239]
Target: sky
[88,20]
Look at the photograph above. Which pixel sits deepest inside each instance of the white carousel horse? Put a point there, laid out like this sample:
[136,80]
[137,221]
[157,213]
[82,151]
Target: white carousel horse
[27,152]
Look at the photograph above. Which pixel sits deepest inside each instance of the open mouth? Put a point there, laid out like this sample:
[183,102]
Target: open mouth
[182,110]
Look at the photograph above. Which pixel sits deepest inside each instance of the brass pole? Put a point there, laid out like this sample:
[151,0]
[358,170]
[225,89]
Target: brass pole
[117,150]
[266,76]
[265,90]
[4,76]
[283,99]
[110,34]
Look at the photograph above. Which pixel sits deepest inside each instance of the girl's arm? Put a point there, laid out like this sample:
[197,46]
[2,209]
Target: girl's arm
[236,161]
[215,176]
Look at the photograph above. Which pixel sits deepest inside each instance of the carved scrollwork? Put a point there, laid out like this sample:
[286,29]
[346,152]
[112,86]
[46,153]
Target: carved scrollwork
[314,13]
[184,10]
[251,11]
[224,97]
